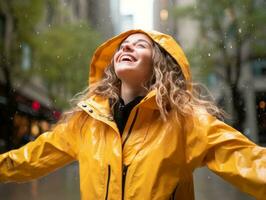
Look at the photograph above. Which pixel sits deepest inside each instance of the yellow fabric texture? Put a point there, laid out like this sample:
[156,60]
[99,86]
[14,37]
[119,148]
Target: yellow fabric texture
[160,156]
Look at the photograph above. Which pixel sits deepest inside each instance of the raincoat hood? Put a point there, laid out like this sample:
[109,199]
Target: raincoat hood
[104,53]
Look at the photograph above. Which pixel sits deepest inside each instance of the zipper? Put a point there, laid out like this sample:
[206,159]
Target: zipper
[124,175]
[125,167]
[173,194]
[108,181]
[130,129]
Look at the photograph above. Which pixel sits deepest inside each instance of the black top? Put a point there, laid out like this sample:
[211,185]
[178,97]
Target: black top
[122,111]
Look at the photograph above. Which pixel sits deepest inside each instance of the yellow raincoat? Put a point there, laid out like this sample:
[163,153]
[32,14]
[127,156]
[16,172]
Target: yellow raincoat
[156,158]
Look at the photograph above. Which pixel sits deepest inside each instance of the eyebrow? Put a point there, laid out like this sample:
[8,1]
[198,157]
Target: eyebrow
[139,40]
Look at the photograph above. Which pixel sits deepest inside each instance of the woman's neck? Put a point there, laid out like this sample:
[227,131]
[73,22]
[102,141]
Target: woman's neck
[129,92]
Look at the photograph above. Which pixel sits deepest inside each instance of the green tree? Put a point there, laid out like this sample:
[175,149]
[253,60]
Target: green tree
[231,33]
[62,58]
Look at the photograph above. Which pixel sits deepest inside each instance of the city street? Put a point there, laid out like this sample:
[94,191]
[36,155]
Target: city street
[64,185]
[159,85]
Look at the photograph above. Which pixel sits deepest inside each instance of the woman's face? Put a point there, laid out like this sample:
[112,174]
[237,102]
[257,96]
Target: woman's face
[133,61]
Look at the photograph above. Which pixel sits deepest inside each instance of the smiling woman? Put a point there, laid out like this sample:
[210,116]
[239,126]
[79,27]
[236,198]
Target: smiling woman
[133,65]
[141,129]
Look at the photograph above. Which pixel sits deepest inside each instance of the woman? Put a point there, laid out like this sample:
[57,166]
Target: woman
[140,131]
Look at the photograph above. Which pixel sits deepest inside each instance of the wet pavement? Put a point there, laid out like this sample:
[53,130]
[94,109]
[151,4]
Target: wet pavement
[64,185]
[209,186]
[60,185]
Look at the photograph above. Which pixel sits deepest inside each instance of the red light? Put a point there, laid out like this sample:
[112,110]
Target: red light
[35,105]
[56,114]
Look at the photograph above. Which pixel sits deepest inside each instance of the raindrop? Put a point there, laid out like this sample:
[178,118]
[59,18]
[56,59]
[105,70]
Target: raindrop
[231,46]
[209,54]
[240,30]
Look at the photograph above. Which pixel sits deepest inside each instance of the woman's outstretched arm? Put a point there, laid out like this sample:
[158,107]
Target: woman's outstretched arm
[48,152]
[235,158]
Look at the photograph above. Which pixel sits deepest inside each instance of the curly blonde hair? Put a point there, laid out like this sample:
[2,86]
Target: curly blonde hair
[173,92]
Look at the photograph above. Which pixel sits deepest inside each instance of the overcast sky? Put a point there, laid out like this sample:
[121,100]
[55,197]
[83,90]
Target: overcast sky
[142,11]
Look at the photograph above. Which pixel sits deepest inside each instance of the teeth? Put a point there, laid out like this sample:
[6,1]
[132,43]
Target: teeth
[126,58]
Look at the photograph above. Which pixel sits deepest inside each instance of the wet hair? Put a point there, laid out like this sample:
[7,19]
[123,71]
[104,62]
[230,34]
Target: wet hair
[173,92]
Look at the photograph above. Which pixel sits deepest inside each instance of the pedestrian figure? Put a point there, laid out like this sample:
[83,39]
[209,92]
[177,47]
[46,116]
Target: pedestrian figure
[141,129]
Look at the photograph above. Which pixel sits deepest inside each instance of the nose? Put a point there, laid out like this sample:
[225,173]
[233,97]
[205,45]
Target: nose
[127,47]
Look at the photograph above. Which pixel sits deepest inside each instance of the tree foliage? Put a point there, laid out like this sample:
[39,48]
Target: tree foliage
[225,27]
[60,52]
[231,34]
[62,58]
[20,19]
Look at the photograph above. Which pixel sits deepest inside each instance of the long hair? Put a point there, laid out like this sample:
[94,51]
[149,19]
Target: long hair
[173,92]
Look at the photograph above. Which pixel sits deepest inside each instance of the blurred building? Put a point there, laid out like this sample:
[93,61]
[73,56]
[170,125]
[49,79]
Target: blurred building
[105,16]
[185,31]
[35,112]
[162,19]
[253,77]
[102,15]
[254,88]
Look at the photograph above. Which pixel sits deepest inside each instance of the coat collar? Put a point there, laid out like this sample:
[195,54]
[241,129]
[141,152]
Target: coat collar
[99,106]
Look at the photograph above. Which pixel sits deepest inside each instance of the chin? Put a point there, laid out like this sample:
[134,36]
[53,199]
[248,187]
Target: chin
[123,71]
[126,75]
[122,74]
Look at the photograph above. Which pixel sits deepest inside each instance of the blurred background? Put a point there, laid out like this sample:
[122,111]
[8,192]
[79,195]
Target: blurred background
[45,51]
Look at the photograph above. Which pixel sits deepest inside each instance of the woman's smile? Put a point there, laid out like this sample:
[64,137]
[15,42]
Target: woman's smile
[133,60]
[129,58]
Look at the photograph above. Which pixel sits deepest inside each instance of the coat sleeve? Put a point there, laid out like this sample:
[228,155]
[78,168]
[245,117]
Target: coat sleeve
[235,158]
[48,152]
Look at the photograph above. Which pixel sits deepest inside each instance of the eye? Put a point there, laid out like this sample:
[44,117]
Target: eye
[141,45]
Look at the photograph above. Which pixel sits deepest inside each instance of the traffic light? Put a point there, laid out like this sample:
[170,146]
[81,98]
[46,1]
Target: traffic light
[35,105]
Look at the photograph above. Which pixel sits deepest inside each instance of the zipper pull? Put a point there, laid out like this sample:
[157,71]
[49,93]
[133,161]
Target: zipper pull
[124,174]
[125,169]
